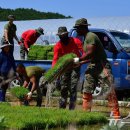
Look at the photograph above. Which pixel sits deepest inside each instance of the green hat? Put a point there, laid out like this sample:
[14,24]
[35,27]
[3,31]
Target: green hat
[11,17]
[4,44]
[81,22]
[40,31]
[62,30]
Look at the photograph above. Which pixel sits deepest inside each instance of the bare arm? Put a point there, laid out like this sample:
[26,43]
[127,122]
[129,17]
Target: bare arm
[34,83]
[25,84]
[16,38]
[6,35]
[89,54]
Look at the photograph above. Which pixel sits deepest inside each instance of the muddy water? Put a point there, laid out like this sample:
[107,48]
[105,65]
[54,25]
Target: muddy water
[74,127]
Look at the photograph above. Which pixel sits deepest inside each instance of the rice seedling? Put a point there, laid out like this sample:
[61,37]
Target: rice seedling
[19,92]
[40,52]
[50,55]
[62,65]
[32,117]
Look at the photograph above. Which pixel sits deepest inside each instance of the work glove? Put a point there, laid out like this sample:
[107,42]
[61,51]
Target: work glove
[28,49]
[76,60]
[29,95]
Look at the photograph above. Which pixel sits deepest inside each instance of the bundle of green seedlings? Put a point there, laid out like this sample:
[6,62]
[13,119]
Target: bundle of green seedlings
[60,67]
[20,117]
[19,92]
[40,52]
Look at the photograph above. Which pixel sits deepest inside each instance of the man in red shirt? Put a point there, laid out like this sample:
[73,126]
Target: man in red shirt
[28,38]
[70,79]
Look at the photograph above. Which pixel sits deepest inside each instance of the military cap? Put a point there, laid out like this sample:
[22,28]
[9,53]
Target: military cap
[81,22]
[62,30]
[40,31]
[11,17]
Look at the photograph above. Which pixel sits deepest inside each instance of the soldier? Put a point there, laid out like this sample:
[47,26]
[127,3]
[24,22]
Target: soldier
[28,38]
[31,76]
[10,33]
[70,79]
[99,69]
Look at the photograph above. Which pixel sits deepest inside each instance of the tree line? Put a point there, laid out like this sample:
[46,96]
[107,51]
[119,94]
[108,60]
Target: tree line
[29,14]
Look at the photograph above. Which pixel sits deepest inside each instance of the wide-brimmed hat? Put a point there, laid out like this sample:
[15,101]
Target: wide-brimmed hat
[81,22]
[11,17]
[62,30]
[4,44]
[40,31]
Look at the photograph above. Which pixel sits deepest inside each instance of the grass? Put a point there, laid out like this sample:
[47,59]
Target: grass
[34,117]
[19,92]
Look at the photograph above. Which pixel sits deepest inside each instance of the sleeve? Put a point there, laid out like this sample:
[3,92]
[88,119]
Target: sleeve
[80,46]
[56,55]
[6,27]
[27,40]
[89,40]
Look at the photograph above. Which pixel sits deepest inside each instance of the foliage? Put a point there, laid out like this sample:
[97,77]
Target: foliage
[40,52]
[29,14]
[34,117]
[19,92]
[62,64]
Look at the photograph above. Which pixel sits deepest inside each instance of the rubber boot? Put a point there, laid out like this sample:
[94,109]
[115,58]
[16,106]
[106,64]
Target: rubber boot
[26,103]
[87,101]
[72,105]
[39,103]
[62,103]
[113,104]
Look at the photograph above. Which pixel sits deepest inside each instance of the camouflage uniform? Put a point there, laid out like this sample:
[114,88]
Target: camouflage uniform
[99,70]
[11,28]
[69,84]
[94,72]
[70,79]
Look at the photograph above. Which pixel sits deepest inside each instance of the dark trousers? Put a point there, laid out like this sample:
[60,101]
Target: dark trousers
[3,92]
[23,50]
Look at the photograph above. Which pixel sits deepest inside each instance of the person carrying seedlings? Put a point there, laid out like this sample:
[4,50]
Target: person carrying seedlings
[31,76]
[28,38]
[7,67]
[98,70]
[10,33]
[70,79]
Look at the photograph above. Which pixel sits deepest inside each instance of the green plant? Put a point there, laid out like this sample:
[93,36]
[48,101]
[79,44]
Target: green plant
[40,52]
[60,67]
[21,117]
[19,92]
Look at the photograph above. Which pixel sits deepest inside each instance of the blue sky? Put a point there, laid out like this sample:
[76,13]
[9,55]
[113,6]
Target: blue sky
[75,8]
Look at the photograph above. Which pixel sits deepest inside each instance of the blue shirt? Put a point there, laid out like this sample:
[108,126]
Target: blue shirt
[7,64]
